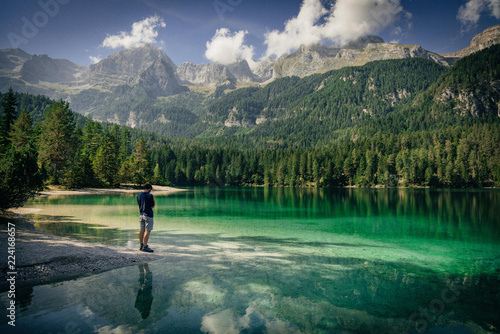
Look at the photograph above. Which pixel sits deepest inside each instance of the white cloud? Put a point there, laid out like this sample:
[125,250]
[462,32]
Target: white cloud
[298,30]
[346,21]
[95,60]
[226,48]
[142,32]
[351,19]
[470,13]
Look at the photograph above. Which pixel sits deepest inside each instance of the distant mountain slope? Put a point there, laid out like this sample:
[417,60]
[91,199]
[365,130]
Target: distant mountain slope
[204,74]
[44,69]
[468,92]
[11,61]
[481,41]
[308,111]
[316,58]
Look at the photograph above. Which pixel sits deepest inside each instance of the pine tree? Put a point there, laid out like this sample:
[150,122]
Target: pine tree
[106,161]
[141,162]
[22,132]
[20,176]
[9,104]
[57,143]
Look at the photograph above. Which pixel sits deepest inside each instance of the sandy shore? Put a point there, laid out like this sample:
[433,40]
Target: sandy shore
[157,190]
[45,258]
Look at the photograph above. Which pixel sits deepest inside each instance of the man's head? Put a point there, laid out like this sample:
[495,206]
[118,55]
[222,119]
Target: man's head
[148,187]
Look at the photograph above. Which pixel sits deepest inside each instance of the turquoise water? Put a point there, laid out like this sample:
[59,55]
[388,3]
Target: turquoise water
[280,260]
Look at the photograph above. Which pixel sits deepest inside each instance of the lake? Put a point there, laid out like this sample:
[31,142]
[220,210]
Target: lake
[279,260]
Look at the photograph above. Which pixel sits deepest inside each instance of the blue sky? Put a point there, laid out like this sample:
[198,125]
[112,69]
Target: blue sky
[77,29]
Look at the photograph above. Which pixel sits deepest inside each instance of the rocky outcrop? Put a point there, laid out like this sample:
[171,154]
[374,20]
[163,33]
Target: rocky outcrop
[316,58]
[11,61]
[204,74]
[265,69]
[241,71]
[159,80]
[215,74]
[487,38]
[124,66]
[483,99]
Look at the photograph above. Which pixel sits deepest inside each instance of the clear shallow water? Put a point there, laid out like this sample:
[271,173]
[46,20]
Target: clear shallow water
[280,261]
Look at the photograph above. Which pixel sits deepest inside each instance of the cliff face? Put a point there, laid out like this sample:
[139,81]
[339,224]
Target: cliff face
[12,60]
[204,74]
[159,80]
[215,74]
[123,67]
[487,38]
[316,58]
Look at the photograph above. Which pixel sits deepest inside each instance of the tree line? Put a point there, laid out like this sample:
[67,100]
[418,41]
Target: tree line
[455,158]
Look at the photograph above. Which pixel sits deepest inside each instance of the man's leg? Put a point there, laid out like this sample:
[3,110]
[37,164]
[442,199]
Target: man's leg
[141,236]
[146,236]
[148,229]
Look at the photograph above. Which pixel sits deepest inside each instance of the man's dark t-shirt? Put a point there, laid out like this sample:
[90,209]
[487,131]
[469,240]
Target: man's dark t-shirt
[146,203]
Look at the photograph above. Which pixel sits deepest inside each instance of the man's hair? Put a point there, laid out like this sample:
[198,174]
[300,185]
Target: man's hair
[147,186]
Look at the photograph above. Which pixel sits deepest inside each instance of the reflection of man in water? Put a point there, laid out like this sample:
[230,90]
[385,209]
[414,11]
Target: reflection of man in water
[145,294]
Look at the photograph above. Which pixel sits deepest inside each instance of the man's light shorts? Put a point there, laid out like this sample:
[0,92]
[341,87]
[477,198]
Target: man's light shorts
[146,223]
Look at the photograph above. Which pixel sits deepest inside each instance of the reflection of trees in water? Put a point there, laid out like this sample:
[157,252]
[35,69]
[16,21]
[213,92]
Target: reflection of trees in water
[428,213]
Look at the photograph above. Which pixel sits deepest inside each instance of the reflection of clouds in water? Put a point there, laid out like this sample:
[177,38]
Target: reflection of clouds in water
[199,292]
[222,322]
[228,323]
[114,330]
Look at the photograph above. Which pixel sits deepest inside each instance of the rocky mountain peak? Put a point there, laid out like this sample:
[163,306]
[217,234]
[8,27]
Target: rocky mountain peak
[317,58]
[204,74]
[241,70]
[487,38]
[131,62]
[363,41]
[159,80]
[483,40]
[12,60]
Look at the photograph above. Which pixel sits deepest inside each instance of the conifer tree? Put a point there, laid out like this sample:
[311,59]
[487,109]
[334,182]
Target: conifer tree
[57,143]
[141,162]
[20,176]
[9,105]
[106,161]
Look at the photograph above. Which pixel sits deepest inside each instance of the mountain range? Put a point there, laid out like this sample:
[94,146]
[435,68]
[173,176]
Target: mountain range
[142,86]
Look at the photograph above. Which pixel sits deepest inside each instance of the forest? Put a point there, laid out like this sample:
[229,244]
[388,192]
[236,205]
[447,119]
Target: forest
[317,137]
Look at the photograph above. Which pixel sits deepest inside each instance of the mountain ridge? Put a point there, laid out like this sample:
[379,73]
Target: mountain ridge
[481,41]
[115,88]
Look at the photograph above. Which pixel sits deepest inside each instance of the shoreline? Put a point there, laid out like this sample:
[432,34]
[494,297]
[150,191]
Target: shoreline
[43,258]
[125,189]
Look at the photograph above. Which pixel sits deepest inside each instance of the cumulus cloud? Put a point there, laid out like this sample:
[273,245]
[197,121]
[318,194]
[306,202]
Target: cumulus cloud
[226,48]
[344,22]
[299,30]
[470,13]
[351,19]
[95,60]
[142,32]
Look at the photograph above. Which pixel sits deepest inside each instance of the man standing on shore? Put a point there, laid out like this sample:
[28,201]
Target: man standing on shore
[146,203]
